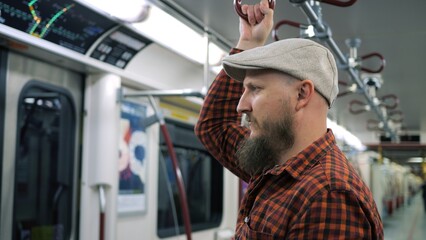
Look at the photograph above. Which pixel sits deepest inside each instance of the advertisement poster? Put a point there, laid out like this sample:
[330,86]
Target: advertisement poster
[132,159]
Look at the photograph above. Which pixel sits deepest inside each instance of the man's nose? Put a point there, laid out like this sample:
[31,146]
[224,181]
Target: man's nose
[244,104]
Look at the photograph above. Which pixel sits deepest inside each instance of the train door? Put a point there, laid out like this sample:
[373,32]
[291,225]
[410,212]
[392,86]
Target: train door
[40,158]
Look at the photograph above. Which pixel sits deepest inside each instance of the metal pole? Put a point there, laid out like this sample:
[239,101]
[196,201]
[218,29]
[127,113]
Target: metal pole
[176,168]
[206,64]
[326,37]
[166,93]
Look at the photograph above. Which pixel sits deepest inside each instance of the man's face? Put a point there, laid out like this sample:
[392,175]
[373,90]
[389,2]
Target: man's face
[267,103]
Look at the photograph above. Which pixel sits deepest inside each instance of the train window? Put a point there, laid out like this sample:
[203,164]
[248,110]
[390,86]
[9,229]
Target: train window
[44,165]
[203,178]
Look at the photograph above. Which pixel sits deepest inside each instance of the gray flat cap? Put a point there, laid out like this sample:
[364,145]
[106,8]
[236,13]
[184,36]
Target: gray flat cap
[297,57]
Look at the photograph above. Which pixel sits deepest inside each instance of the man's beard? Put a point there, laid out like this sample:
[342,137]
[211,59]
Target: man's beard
[261,153]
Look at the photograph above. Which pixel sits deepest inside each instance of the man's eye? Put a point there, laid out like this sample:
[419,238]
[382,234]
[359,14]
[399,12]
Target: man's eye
[253,88]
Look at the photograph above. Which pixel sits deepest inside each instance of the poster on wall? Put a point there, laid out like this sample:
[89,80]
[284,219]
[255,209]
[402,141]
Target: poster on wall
[132,159]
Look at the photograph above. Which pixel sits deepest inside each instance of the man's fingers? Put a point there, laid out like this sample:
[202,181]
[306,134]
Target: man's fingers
[244,8]
[258,13]
[250,15]
[264,2]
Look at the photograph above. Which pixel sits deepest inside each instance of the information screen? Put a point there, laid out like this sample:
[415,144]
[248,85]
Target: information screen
[63,22]
[119,47]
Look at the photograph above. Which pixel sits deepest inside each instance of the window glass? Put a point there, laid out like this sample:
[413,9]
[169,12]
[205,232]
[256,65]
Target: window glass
[203,179]
[44,165]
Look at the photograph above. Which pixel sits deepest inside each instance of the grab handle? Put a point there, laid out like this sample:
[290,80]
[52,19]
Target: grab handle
[389,105]
[362,107]
[349,89]
[285,22]
[374,54]
[396,116]
[339,3]
[374,125]
[237,6]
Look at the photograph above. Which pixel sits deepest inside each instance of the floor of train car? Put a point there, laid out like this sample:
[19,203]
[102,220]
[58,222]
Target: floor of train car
[407,223]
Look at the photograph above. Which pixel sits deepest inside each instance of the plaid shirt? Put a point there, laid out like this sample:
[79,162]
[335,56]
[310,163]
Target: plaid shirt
[314,195]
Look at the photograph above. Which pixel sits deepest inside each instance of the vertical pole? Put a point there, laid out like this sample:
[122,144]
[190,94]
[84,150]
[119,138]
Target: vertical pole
[206,64]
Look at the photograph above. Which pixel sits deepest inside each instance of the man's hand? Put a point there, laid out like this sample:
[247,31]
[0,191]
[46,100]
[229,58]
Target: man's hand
[255,32]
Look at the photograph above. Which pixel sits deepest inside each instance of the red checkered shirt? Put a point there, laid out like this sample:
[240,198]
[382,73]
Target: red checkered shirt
[316,194]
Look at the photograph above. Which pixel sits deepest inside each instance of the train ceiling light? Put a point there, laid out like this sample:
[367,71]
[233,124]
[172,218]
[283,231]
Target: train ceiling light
[168,31]
[125,10]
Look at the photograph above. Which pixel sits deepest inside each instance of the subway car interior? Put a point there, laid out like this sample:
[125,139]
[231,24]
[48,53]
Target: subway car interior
[98,102]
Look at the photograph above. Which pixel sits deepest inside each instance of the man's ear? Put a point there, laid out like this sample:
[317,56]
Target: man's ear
[306,90]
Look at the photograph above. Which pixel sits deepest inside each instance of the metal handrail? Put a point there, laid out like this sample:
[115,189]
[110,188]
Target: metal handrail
[166,93]
[176,169]
[374,54]
[339,3]
[286,22]
[150,94]
[331,2]
[237,6]
[102,208]
[325,36]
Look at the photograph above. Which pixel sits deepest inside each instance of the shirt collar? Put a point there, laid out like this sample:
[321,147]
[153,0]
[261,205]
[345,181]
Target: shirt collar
[296,165]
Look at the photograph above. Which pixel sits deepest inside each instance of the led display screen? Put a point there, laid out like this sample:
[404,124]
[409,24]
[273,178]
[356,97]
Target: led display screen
[63,22]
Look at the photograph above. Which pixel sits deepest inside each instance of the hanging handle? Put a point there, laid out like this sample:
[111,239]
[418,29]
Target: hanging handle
[396,116]
[237,6]
[362,107]
[349,89]
[394,101]
[374,54]
[373,125]
[285,22]
[339,3]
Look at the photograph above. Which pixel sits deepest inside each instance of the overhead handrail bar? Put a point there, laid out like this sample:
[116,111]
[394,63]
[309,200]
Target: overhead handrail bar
[342,60]
[339,3]
[370,55]
[362,107]
[331,2]
[286,22]
[393,98]
[237,6]
[167,93]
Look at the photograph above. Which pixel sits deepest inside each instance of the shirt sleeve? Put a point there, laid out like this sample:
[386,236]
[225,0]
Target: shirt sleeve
[335,215]
[218,126]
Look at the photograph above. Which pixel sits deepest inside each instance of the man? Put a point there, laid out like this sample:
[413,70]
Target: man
[301,186]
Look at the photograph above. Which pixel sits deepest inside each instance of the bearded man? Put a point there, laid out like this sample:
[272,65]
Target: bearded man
[300,184]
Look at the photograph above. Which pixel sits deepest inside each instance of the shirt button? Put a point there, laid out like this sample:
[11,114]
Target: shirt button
[246,219]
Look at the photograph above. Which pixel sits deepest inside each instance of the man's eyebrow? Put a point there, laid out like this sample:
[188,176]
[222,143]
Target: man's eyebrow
[249,85]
